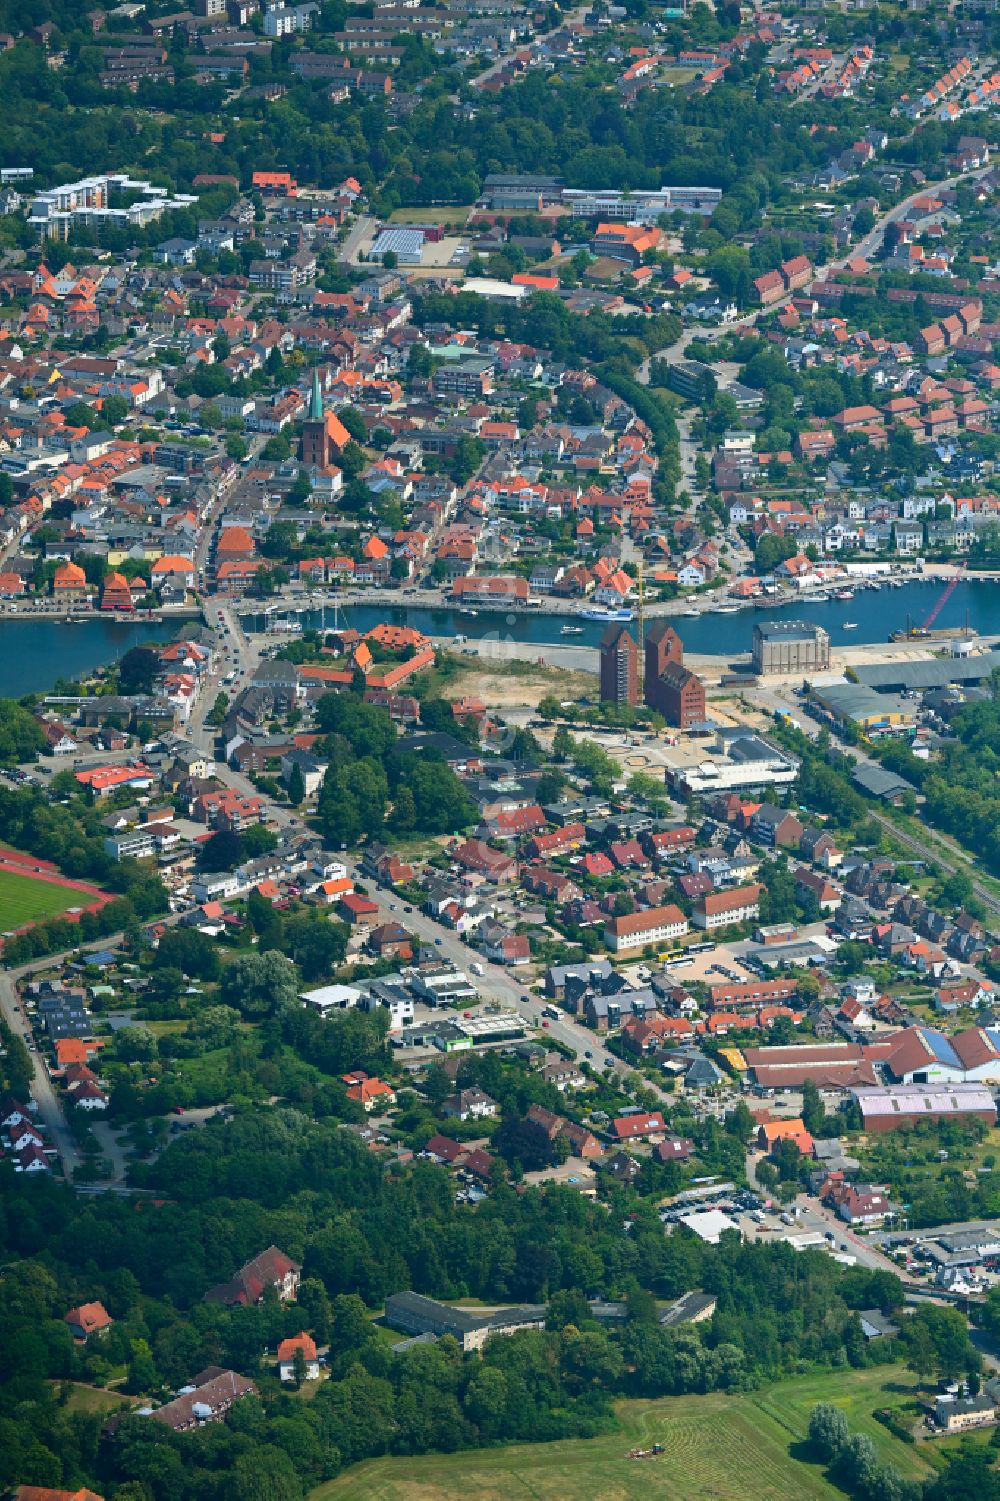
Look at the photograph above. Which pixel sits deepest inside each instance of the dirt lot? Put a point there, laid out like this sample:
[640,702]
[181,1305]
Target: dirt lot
[520,690]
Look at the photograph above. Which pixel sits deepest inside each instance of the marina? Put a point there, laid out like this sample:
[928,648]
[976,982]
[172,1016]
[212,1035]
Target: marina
[35,653]
[868,616]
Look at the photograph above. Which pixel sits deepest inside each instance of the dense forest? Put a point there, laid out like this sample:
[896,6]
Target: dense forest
[740,136]
[220,1195]
[960,785]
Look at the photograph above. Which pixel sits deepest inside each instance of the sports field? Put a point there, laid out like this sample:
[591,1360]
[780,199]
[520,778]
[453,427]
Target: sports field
[23,900]
[718,1448]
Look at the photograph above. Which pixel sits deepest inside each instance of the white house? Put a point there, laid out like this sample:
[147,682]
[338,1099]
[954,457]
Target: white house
[470,1105]
[300,1344]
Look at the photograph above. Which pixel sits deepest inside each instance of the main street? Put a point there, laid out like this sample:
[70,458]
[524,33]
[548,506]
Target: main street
[873,239]
[362,230]
[496,985]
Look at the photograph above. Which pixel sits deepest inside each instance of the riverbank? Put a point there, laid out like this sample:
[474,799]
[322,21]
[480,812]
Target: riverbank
[65,613]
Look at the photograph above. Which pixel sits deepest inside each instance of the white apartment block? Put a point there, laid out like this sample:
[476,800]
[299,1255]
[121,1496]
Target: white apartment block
[656,925]
[88,202]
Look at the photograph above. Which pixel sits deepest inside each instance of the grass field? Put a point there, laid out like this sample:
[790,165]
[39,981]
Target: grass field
[444,213]
[858,1393]
[718,1448]
[23,900]
[83,1398]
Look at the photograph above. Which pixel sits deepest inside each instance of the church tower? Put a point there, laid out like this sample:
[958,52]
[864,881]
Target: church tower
[315,437]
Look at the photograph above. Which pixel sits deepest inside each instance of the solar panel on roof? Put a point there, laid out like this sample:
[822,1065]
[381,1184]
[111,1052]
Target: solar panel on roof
[940,1047]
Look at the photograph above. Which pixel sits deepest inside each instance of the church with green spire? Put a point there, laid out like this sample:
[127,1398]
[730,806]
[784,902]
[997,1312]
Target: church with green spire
[323,433]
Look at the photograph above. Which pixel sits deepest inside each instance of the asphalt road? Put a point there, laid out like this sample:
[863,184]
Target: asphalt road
[50,1112]
[501,62]
[873,239]
[361,230]
[496,983]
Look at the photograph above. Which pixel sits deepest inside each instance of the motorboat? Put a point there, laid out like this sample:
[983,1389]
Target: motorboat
[849,625]
[594,613]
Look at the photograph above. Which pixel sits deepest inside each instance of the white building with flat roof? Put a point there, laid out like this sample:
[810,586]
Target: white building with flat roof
[327,998]
[641,207]
[709,1224]
[88,202]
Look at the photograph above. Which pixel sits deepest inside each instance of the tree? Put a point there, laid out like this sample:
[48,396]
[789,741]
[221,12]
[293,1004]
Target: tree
[813,1111]
[441,803]
[828,1430]
[142,1373]
[550,785]
[772,550]
[187,950]
[366,727]
[739,1122]
[263,1473]
[920,1353]
[526,1144]
[257,840]
[137,670]
[114,411]
[355,424]
[856,1464]
[222,851]
[948,1335]
[296,788]
[217,713]
[316,944]
[968,1473]
[79,414]
[486,1398]
[165,985]
[20,735]
[260,985]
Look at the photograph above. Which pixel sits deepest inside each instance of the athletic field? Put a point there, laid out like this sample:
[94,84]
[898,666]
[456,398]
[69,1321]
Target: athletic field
[24,900]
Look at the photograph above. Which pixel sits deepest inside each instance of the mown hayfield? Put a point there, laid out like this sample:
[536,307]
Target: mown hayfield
[718,1448]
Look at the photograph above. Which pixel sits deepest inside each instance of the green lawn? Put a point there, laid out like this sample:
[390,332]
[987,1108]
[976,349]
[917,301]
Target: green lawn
[84,1398]
[718,1448]
[443,213]
[858,1393]
[23,900]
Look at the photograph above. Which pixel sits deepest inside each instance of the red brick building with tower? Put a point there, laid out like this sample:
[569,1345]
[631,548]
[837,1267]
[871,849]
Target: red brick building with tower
[670,688]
